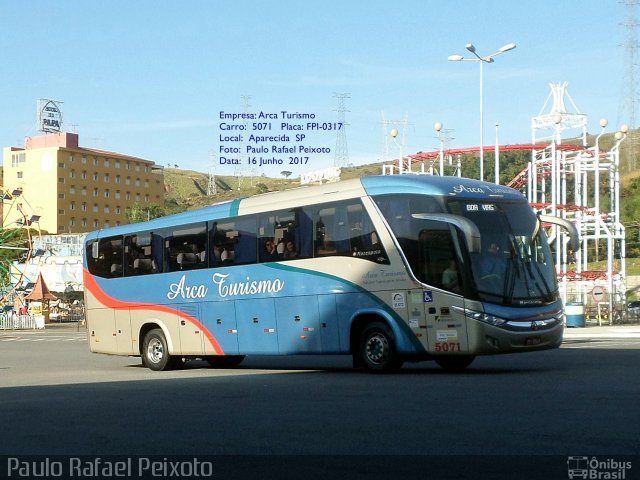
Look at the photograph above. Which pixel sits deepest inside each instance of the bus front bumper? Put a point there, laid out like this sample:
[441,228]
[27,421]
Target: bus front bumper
[485,339]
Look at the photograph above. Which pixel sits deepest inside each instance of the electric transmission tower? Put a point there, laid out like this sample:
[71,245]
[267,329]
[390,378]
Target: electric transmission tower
[211,185]
[341,157]
[629,93]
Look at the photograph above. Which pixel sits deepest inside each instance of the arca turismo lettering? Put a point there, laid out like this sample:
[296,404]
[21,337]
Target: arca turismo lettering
[247,287]
[183,290]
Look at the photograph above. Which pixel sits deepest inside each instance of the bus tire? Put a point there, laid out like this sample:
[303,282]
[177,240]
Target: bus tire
[455,363]
[155,354]
[377,348]
[224,361]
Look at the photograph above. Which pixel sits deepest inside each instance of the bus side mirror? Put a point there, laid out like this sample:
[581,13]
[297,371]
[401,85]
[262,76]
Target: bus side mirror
[94,249]
[468,228]
[574,236]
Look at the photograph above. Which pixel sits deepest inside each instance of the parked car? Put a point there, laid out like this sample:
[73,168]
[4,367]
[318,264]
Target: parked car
[633,309]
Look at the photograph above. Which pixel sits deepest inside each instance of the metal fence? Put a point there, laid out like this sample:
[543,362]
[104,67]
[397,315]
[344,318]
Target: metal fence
[20,322]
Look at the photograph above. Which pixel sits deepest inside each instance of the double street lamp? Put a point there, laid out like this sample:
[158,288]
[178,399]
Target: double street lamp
[482,61]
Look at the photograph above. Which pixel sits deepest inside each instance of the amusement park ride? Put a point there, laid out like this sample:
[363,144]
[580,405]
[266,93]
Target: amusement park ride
[564,180]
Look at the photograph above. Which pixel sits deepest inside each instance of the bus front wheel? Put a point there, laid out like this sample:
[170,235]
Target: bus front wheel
[155,353]
[377,348]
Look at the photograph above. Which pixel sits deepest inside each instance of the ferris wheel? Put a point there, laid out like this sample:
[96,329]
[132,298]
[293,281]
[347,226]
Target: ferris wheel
[19,231]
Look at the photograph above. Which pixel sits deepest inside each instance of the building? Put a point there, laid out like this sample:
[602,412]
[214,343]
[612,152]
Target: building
[74,189]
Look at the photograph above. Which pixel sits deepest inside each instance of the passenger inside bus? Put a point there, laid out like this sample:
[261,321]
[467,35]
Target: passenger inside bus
[450,279]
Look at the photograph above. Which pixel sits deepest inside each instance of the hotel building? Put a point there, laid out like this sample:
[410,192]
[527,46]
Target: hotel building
[74,189]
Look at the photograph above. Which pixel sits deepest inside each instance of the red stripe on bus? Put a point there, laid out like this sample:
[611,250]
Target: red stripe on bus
[110,302]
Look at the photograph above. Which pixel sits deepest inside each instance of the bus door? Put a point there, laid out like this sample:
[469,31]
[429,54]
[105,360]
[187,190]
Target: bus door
[219,318]
[440,266]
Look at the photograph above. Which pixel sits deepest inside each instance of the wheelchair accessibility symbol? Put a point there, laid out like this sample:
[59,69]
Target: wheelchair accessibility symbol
[427,296]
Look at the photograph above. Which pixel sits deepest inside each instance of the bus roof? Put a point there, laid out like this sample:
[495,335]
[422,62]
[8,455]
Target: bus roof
[311,195]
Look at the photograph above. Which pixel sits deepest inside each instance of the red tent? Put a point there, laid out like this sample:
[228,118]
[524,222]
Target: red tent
[40,291]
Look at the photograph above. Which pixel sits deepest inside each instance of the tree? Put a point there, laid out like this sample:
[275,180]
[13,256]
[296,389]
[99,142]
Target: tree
[139,213]
[285,173]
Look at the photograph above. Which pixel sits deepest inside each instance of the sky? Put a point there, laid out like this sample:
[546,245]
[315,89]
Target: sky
[152,78]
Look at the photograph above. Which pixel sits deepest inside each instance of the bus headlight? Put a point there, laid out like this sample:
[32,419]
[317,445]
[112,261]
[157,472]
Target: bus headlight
[485,317]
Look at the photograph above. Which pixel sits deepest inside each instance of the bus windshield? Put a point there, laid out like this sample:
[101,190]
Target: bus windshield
[514,265]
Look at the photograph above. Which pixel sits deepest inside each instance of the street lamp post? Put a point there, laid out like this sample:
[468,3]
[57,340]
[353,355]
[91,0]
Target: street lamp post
[438,127]
[481,61]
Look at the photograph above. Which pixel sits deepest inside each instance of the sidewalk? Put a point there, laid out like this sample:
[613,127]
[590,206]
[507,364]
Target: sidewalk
[612,332]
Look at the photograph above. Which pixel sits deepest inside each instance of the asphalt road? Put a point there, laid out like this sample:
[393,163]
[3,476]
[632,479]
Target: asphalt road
[57,398]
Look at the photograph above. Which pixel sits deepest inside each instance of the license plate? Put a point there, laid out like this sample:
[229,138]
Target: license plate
[533,341]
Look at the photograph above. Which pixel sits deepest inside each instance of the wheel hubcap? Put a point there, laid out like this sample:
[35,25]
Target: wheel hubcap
[377,348]
[155,350]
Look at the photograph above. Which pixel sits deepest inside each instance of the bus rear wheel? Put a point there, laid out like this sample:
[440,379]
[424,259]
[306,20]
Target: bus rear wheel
[224,361]
[155,354]
[455,363]
[377,348]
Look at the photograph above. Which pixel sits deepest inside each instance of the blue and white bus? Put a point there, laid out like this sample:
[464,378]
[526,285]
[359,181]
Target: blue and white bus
[387,269]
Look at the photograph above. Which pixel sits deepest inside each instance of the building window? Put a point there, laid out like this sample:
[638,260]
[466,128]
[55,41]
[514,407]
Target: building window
[95,208]
[137,182]
[106,209]
[72,206]
[128,181]
[106,162]
[95,224]
[146,198]
[84,191]
[137,167]
[137,197]
[84,222]
[84,206]
[60,164]
[17,158]
[128,196]
[106,193]
[72,190]
[117,179]
[60,180]
[126,165]
[95,192]
[117,163]
[61,195]
[95,161]
[106,178]
[118,210]
[72,222]
[61,211]
[71,158]
[84,162]
[117,196]
[19,174]
[72,174]
[146,184]
[84,175]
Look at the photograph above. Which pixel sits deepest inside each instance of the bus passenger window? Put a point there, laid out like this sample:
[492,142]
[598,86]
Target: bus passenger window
[108,262]
[346,229]
[291,227]
[235,241]
[184,246]
[138,260]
